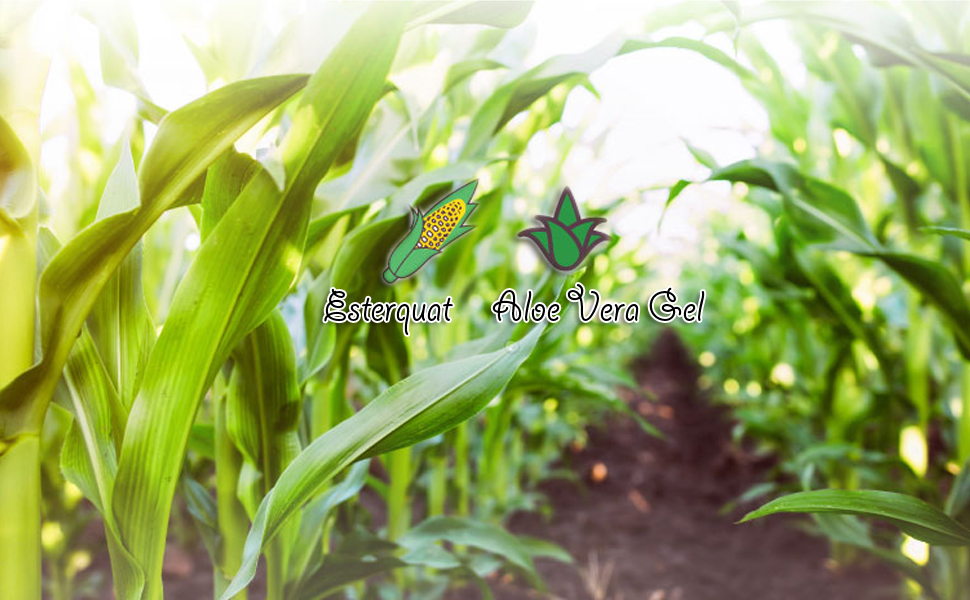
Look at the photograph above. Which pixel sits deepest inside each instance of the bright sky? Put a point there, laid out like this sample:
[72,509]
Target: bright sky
[650,101]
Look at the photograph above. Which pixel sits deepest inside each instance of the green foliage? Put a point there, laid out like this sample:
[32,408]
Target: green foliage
[179,382]
[853,307]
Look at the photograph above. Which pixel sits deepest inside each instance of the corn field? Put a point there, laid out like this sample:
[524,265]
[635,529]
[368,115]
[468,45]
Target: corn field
[397,300]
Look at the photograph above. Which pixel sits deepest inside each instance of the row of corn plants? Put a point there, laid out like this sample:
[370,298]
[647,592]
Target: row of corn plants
[845,351]
[190,391]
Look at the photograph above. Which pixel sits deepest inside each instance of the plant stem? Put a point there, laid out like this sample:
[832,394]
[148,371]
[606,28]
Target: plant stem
[437,484]
[462,469]
[398,513]
[329,407]
[232,519]
[20,555]
[493,471]
[20,572]
[964,433]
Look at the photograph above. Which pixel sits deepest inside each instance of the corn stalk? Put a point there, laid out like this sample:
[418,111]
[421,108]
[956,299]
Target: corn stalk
[22,76]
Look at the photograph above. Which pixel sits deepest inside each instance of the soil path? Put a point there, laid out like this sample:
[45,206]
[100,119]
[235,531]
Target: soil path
[653,529]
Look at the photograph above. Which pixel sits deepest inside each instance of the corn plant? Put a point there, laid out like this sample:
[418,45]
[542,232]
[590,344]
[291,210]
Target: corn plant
[209,381]
[880,183]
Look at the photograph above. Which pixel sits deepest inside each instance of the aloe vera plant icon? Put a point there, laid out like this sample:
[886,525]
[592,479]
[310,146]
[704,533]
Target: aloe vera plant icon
[566,238]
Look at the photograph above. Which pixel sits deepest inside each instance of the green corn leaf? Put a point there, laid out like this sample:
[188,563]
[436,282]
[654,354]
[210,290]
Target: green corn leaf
[849,529]
[821,213]
[188,141]
[519,93]
[307,549]
[425,404]
[431,183]
[493,14]
[320,336]
[363,255]
[263,403]
[538,548]
[359,556]
[570,70]
[387,351]
[240,273]
[431,555]
[321,227]
[204,512]
[958,499]
[223,183]
[939,286]
[89,457]
[104,369]
[883,31]
[118,50]
[911,515]
[468,532]
[951,231]
[824,214]
[120,322]
[460,71]
[262,414]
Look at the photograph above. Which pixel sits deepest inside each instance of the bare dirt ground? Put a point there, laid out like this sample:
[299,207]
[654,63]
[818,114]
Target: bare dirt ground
[653,529]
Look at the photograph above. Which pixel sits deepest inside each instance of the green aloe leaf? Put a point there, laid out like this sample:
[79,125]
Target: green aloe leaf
[913,516]
[423,405]
[566,249]
[540,237]
[582,229]
[567,212]
[595,238]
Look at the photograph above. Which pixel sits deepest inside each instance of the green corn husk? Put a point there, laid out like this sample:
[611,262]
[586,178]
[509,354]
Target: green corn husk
[431,232]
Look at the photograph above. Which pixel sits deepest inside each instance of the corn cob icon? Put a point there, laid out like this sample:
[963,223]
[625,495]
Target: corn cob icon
[566,238]
[431,232]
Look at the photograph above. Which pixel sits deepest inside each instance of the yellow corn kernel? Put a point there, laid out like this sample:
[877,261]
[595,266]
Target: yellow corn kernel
[438,224]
